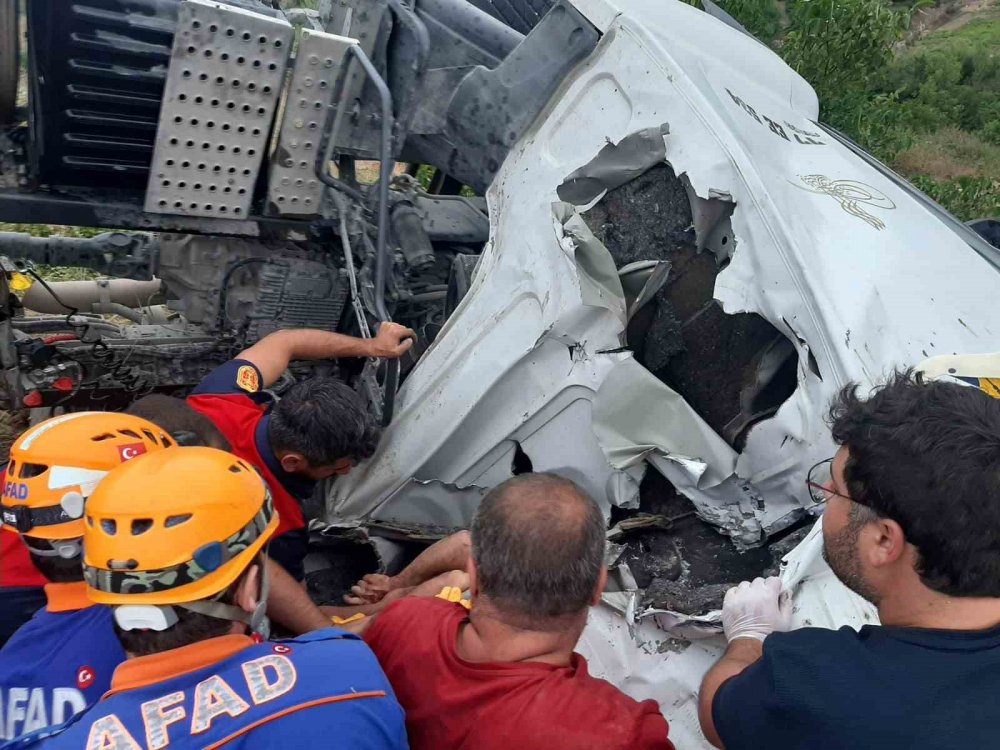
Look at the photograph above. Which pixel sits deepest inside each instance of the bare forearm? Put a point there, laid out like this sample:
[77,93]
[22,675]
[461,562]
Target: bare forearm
[272,353]
[347,612]
[308,343]
[289,605]
[432,587]
[450,553]
[740,654]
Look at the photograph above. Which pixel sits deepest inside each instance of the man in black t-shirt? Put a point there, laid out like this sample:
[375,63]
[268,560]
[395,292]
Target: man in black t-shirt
[912,523]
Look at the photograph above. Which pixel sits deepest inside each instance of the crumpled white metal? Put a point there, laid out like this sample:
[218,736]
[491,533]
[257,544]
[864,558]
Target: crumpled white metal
[649,662]
[855,270]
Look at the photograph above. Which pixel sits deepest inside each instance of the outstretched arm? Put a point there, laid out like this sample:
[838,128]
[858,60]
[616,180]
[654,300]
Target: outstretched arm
[450,553]
[739,655]
[289,605]
[272,353]
[457,579]
[750,613]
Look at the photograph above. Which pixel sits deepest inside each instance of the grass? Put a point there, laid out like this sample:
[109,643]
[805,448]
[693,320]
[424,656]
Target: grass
[57,273]
[948,89]
[981,30]
[49,230]
[950,153]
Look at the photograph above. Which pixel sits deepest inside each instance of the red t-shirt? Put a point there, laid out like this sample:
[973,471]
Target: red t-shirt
[16,568]
[459,705]
[231,397]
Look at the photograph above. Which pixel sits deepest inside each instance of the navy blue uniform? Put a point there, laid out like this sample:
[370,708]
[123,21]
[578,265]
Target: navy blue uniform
[58,663]
[880,688]
[324,689]
[232,398]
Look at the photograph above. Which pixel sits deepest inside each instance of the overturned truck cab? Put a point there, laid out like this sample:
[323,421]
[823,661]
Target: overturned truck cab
[683,267]
[631,253]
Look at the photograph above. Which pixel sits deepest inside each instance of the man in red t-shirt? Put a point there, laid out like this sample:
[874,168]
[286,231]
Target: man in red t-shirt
[318,428]
[503,674]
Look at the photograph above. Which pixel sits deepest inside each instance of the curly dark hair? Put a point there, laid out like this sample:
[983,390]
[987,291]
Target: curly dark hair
[324,420]
[927,455]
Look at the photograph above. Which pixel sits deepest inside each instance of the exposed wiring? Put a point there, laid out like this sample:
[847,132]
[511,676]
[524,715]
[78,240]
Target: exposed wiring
[131,378]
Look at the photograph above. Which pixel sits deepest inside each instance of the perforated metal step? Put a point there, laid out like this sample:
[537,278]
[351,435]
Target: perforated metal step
[293,189]
[223,87]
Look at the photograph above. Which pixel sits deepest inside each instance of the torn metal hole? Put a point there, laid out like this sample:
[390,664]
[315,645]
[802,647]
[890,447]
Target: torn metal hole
[734,370]
[683,563]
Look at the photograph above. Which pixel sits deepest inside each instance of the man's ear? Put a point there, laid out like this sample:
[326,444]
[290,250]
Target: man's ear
[884,542]
[248,592]
[293,462]
[470,568]
[602,581]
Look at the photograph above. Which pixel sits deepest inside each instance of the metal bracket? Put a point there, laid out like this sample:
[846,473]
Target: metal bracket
[293,189]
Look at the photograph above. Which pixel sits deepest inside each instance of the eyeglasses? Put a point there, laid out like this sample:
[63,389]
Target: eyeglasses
[818,481]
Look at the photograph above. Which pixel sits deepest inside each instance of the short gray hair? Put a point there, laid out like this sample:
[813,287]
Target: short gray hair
[538,544]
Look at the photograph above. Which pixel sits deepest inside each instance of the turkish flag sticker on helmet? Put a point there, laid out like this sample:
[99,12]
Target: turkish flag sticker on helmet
[125,452]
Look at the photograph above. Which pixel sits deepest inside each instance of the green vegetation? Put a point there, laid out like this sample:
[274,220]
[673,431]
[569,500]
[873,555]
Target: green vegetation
[48,230]
[57,273]
[762,18]
[930,110]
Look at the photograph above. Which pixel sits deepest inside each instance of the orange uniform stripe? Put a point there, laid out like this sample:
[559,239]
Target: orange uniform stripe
[293,709]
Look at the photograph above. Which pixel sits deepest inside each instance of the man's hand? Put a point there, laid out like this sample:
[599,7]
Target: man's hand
[370,589]
[755,610]
[444,556]
[391,341]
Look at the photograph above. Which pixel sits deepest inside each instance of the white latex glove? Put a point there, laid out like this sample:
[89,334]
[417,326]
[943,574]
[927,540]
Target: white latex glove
[755,610]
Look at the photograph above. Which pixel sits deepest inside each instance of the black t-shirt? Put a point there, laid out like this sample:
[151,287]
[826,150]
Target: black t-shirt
[880,688]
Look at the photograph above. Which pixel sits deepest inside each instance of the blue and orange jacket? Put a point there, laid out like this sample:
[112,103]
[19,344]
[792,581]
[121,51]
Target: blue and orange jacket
[324,689]
[58,663]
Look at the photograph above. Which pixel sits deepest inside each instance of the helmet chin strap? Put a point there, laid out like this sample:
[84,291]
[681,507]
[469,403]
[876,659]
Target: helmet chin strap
[139,617]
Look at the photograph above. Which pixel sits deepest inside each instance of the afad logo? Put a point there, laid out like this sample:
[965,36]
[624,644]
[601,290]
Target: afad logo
[84,677]
[15,490]
[126,452]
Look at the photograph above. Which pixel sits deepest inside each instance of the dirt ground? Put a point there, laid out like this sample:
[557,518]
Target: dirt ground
[946,16]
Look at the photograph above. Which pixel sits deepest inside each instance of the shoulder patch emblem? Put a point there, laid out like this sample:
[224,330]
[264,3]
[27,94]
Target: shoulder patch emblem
[247,379]
[84,677]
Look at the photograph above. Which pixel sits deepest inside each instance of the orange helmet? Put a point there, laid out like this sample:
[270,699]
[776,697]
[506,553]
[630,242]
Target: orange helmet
[55,466]
[174,527]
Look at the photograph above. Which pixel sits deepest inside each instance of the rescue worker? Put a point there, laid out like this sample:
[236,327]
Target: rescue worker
[501,672]
[319,428]
[61,660]
[911,524]
[21,592]
[173,544]
[288,604]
